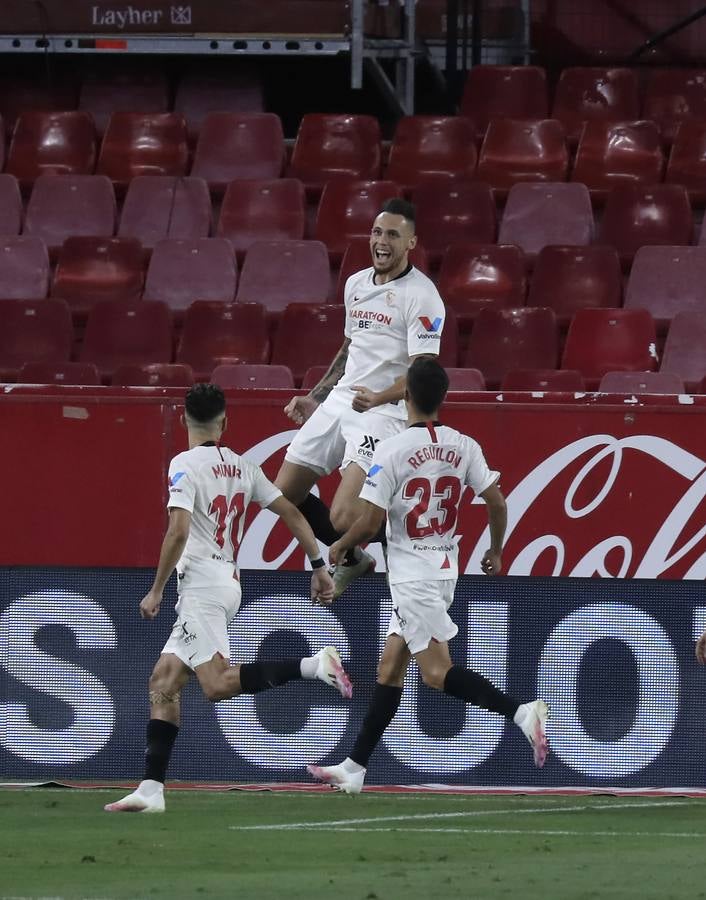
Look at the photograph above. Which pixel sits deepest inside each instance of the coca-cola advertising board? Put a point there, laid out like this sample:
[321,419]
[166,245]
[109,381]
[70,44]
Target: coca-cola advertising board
[596,486]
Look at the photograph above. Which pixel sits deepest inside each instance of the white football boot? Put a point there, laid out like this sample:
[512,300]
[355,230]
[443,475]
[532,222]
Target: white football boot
[347,776]
[532,719]
[329,669]
[148,798]
[344,575]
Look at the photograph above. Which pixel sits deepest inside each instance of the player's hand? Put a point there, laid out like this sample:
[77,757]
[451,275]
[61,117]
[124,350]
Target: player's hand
[364,398]
[701,649]
[491,564]
[336,554]
[149,605]
[321,587]
[299,409]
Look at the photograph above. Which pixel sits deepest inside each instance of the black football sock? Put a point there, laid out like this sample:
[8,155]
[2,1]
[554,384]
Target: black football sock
[381,711]
[261,676]
[318,516]
[160,740]
[474,688]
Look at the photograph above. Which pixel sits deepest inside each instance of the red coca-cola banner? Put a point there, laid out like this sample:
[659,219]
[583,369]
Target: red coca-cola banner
[602,486]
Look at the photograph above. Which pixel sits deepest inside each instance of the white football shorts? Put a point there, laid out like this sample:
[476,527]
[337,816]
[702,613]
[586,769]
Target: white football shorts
[336,435]
[420,612]
[201,628]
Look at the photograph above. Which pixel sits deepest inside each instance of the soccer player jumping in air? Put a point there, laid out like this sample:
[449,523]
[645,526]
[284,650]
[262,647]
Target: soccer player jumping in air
[210,487]
[417,479]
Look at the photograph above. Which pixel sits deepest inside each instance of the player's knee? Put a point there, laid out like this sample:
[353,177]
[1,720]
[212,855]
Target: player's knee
[214,691]
[434,676]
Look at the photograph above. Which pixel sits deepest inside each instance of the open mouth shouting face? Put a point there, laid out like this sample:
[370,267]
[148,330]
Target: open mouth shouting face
[391,239]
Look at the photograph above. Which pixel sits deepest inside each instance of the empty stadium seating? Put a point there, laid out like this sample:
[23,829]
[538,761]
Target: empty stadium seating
[506,339]
[348,209]
[33,331]
[465,379]
[480,276]
[331,146]
[641,383]
[277,273]
[454,213]
[59,373]
[132,91]
[570,278]
[593,94]
[153,375]
[667,280]
[238,145]
[51,143]
[517,150]
[610,340]
[143,144]
[262,211]
[687,160]
[181,271]
[253,376]
[24,268]
[685,349]
[232,90]
[161,206]
[537,215]
[511,92]
[673,96]
[62,206]
[121,332]
[313,376]
[11,213]
[214,333]
[308,334]
[430,148]
[542,380]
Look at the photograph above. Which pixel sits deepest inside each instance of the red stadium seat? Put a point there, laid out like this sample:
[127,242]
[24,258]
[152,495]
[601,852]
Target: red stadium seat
[143,144]
[182,271]
[313,376]
[465,379]
[432,148]
[542,380]
[51,143]
[451,214]
[24,268]
[673,96]
[33,331]
[308,334]
[348,209]
[120,332]
[214,333]
[19,93]
[449,350]
[570,278]
[161,206]
[594,94]
[667,280]
[124,92]
[611,153]
[277,273]
[254,376]
[262,211]
[517,150]
[506,339]
[641,383]
[234,91]
[537,215]
[10,206]
[357,257]
[62,206]
[332,146]
[482,276]
[685,349]
[153,375]
[701,388]
[238,145]
[59,373]
[687,160]
[610,340]
[511,92]
[636,216]
[92,270]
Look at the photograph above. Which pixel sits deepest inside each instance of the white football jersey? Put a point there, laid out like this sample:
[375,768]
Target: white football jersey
[418,477]
[387,324]
[215,485]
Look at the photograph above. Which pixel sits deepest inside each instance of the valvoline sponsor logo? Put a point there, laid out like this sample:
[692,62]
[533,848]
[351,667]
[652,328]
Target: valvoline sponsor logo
[432,327]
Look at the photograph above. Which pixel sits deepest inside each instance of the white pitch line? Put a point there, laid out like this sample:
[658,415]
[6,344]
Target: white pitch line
[456,815]
[553,833]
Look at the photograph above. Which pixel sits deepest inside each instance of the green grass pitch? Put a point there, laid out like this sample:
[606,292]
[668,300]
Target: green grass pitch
[285,846]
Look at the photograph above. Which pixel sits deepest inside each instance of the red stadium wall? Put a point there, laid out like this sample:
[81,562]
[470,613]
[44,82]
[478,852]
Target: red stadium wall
[609,488]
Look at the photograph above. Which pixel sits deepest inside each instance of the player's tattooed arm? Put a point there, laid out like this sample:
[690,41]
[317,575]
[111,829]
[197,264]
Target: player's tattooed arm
[333,375]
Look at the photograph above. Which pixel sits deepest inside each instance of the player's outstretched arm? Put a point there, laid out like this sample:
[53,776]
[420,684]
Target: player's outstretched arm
[321,581]
[299,409]
[492,564]
[365,527]
[172,548]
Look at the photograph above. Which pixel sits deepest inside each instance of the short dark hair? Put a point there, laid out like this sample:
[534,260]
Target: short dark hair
[204,403]
[427,383]
[396,206]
